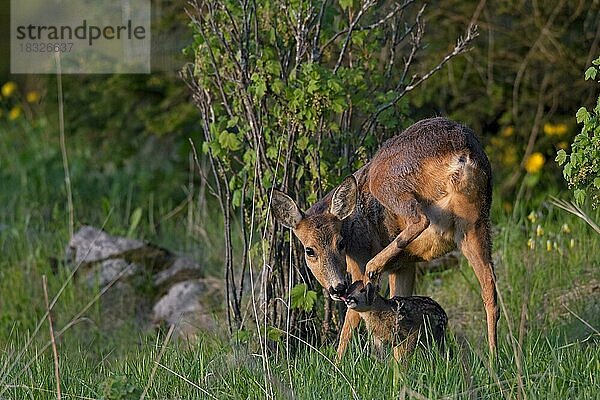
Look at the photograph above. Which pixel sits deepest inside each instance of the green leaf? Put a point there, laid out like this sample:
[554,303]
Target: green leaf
[233,121]
[302,298]
[338,105]
[273,67]
[582,115]
[303,142]
[260,86]
[274,334]
[299,172]
[312,87]
[236,200]
[334,86]
[590,73]
[241,336]
[579,196]
[277,85]
[561,157]
[568,171]
[597,182]
[134,221]
[344,4]
[228,140]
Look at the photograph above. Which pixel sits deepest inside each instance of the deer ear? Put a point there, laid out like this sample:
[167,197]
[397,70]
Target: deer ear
[343,201]
[286,210]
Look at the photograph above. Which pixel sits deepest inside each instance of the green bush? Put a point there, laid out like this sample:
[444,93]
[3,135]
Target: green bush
[582,166]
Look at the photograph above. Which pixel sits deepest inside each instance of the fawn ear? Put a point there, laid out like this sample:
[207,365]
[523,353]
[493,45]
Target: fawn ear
[286,210]
[343,201]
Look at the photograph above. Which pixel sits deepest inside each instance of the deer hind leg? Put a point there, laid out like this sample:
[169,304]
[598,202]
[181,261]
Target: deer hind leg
[476,247]
[403,350]
[408,208]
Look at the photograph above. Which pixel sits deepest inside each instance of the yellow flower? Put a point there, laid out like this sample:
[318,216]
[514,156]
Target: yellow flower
[555,130]
[539,231]
[14,113]
[507,131]
[572,243]
[535,162]
[565,229]
[531,244]
[548,245]
[561,129]
[532,217]
[8,89]
[33,96]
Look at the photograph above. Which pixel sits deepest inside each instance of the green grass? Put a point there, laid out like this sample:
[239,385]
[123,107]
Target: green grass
[548,339]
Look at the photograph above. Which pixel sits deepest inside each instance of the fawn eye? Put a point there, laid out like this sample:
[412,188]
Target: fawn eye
[341,245]
[310,252]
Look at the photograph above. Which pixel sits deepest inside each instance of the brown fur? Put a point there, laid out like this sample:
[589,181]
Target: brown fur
[402,322]
[424,193]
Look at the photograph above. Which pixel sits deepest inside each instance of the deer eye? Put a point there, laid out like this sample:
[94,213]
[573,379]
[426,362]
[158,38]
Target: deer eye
[341,245]
[310,252]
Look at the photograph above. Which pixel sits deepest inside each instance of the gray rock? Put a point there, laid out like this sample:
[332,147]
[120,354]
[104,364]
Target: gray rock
[149,285]
[190,306]
[97,253]
[112,269]
[90,244]
[183,268]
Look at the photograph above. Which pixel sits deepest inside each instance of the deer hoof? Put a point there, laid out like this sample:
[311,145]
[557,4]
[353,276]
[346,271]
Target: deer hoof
[373,276]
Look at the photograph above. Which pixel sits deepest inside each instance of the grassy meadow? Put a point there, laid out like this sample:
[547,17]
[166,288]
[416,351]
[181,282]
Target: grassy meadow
[547,264]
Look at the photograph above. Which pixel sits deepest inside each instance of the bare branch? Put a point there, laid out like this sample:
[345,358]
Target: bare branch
[214,63]
[415,44]
[368,4]
[398,9]
[316,52]
[462,45]
[523,67]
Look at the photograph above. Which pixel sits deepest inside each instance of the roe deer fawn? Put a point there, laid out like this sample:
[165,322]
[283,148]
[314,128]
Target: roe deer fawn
[424,193]
[402,322]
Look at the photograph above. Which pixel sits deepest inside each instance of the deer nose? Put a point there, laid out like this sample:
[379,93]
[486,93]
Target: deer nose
[338,290]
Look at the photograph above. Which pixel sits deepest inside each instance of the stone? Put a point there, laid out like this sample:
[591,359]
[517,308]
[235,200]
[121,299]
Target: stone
[182,268]
[90,244]
[150,285]
[190,306]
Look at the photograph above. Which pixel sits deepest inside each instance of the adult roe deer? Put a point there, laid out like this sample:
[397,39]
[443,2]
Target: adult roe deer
[424,193]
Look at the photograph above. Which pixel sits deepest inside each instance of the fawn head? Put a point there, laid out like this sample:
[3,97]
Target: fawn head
[319,230]
[358,297]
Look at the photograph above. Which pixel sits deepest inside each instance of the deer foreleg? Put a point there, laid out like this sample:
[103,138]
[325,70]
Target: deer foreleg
[350,323]
[377,264]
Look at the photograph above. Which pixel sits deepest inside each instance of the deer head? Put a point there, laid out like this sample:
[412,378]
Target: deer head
[320,233]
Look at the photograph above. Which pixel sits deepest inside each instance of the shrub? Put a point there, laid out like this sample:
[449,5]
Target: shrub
[582,166]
